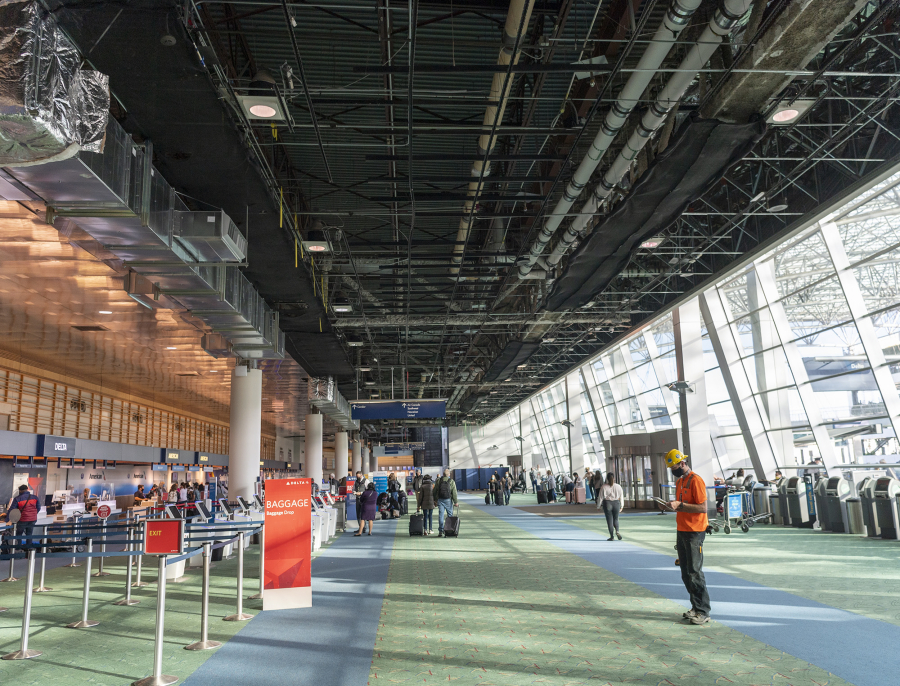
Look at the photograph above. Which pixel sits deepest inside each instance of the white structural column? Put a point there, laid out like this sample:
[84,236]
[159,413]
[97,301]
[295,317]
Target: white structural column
[245,431]
[860,313]
[752,423]
[688,325]
[576,431]
[314,448]
[366,466]
[341,454]
[356,461]
[765,272]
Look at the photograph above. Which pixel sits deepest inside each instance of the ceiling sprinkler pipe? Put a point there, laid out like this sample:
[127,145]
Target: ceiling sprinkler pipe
[676,19]
[493,113]
[723,21]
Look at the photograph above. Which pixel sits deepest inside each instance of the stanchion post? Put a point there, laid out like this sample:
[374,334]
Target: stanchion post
[74,562]
[239,616]
[24,653]
[41,588]
[204,643]
[158,678]
[262,565]
[84,622]
[100,571]
[12,571]
[127,599]
[138,583]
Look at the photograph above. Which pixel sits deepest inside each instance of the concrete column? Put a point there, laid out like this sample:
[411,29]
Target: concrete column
[356,464]
[366,466]
[314,447]
[341,461]
[245,431]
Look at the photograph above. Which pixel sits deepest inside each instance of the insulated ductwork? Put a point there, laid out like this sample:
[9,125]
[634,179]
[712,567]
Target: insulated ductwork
[676,19]
[493,114]
[323,394]
[50,108]
[723,21]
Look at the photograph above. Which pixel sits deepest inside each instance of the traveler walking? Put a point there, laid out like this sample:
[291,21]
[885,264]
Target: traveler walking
[394,491]
[596,485]
[359,485]
[29,506]
[445,495]
[495,489]
[507,483]
[417,482]
[691,520]
[425,502]
[534,480]
[367,504]
[612,500]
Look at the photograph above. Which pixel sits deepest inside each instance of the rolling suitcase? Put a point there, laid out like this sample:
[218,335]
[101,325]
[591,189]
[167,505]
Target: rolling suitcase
[542,497]
[568,497]
[451,524]
[417,525]
[404,507]
[580,497]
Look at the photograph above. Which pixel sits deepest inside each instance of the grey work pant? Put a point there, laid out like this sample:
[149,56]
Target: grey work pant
[611,510]
[690,558]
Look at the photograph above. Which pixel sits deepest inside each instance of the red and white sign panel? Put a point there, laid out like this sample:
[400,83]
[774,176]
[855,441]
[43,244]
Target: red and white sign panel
[288,552]
[103,511]
[164,537]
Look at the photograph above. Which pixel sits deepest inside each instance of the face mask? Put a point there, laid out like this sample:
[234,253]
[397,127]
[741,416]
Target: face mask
[678,470]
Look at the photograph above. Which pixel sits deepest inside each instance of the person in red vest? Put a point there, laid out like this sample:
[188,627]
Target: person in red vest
[29,506]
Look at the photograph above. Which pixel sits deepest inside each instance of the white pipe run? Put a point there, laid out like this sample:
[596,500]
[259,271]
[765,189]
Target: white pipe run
[493,113]
[725,18]
[676,19]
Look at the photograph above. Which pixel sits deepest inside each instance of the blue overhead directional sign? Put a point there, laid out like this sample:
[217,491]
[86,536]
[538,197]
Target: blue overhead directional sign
[398,409]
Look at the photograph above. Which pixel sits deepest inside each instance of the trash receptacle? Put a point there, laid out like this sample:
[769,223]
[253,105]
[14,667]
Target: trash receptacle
[216,553]
[762,495]
[775,508]
[855,516]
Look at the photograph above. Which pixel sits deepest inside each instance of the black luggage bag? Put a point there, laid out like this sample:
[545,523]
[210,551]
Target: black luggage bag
[542,497]
[404,504]
[417,525]
[451,523]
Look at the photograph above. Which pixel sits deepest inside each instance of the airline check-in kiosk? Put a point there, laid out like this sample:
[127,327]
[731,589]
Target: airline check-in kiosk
[836,490]
[885,493]
[798,505]
[866,491]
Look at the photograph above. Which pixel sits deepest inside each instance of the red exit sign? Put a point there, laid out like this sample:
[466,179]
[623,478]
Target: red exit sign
[164,537]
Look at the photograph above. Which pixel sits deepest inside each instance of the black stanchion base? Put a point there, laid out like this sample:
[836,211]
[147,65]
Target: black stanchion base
[42,589]
[237,618]
[126,602]
[203,645]
[82,624]
[161,680]
[21,655]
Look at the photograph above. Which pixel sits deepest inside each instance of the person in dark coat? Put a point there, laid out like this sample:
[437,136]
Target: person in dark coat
[425,502]
[367,502]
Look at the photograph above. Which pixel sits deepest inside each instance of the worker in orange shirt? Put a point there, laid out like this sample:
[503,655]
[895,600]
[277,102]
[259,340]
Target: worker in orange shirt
[690,506]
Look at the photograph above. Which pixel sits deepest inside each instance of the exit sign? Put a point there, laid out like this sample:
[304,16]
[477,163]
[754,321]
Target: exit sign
[164,537]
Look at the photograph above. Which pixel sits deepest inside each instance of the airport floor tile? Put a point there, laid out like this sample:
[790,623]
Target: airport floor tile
[499,606]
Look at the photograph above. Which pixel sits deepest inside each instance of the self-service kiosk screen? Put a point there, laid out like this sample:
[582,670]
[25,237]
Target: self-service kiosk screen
[243,503]
[223,503]
[259,502]
[882,485]
[833,483]
[203,510]
[173,512]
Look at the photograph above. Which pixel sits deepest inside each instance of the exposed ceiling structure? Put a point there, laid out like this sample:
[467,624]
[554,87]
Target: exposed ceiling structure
[457,160]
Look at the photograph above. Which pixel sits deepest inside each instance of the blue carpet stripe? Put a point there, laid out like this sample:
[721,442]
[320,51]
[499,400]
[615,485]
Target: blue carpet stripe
[863,651]
[330,643]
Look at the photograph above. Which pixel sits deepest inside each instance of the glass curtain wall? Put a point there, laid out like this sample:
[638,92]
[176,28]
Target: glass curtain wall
[815,324]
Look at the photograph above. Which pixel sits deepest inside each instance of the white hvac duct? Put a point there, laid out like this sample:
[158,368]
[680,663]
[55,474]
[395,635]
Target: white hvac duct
[723,21]
[676,19]
[493,114]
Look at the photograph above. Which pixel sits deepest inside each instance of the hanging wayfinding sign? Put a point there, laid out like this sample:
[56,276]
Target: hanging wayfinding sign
[288,544]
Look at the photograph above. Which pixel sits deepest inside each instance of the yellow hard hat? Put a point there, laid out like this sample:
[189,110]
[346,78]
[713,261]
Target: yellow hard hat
[674,456]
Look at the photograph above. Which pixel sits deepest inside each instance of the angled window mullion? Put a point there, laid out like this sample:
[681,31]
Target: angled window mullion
[658,370]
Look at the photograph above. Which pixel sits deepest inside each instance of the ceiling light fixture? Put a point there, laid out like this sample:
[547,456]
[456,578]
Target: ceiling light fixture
[364,369]
[105,311]
[342,306]
[759,196]
[171,347]
[653,242]
[777,208]
[789,112]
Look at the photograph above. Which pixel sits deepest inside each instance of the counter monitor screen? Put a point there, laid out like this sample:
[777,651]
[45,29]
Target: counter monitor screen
[203,510]
[172,511]
[226,508]
[243,503]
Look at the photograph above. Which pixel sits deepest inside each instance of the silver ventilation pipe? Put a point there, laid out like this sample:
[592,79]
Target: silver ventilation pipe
[493,114]
[723,21]
[677,18]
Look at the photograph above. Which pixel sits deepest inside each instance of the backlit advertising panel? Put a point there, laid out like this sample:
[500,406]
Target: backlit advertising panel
[288,544]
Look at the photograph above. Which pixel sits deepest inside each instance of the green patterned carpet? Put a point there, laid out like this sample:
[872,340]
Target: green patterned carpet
[852,573]
[500,606]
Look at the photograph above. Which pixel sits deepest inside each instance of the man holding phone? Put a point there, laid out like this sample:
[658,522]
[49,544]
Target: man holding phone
[691,519]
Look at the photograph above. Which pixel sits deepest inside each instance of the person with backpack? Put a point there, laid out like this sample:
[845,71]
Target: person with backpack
[425,502]
[550,487]
[27,503]
[445,495]
[394,491]
[507,483]
[534,480]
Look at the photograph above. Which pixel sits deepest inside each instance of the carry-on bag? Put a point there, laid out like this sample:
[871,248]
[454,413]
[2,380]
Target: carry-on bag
[542,497]
[451,523]
[487,498]
[568,497]
[417,525]
[580,496]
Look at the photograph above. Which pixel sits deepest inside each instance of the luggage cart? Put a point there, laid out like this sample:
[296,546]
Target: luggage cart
[738,511]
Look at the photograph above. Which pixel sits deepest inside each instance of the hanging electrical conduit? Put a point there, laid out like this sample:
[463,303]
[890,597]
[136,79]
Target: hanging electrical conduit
[492,115]
[723,21]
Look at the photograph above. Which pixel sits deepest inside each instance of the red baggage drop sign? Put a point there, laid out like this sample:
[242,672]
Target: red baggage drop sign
[288,549]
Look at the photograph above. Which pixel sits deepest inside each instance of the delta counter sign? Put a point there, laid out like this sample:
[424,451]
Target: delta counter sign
[398,409]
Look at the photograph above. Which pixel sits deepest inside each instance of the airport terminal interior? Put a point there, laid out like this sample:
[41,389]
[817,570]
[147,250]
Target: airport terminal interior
[582,315]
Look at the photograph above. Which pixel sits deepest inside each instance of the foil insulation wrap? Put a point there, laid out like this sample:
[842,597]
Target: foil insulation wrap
[50,108]
[321,388]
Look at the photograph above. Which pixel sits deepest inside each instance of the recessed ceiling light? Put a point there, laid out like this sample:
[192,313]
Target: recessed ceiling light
[105,311]
[370,383]
[364,369]
[784,115]
[652,242]
[777,208]
[788,113]
[263,111]
[171,347]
